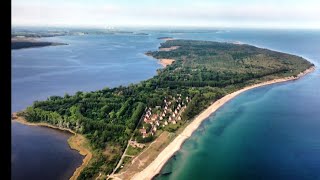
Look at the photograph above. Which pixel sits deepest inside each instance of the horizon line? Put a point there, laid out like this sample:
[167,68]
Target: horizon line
[163,26]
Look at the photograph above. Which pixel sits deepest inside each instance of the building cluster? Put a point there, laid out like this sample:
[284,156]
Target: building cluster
[161,116]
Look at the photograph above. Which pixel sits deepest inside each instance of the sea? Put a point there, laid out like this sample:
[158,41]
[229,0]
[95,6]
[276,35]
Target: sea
[270,132]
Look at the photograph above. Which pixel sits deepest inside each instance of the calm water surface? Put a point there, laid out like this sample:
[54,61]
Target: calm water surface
[88,63]
[267,133]
[42,153]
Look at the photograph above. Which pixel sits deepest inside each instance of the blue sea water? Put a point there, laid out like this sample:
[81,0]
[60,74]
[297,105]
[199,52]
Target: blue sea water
[88,63]
[267,133]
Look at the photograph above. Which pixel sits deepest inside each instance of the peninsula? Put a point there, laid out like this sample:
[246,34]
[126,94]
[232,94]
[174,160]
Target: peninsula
[22,42]
[142,125]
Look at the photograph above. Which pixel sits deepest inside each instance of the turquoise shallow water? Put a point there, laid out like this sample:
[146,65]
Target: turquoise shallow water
[267,133]
[270,132]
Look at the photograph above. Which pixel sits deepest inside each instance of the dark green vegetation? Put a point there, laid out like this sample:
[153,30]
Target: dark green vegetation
[133,151]
[16,44]
[203,71]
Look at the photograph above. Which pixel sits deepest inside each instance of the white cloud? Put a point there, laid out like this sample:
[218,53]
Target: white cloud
[197,14]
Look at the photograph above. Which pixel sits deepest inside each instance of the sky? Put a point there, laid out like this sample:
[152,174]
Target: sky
[168,13]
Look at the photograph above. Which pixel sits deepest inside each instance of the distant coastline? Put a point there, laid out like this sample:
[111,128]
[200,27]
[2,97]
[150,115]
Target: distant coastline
[22,43]
[155,167]
[75,142]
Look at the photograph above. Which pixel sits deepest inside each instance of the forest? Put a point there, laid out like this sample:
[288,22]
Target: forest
[25,43]
[203,70]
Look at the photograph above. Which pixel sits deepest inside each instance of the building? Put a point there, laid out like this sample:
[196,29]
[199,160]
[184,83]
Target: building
[154,117]
[143,131]
[145,119]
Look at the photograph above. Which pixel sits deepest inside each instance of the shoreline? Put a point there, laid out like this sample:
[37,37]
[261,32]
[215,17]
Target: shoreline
[166,38]
[155,167]
[165,62]
[29,42]
[75,142]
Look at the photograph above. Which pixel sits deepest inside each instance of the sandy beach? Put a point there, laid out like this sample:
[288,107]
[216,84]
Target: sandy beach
[169,48]
[154,168]
[166,38]
[166,62]
[76,142]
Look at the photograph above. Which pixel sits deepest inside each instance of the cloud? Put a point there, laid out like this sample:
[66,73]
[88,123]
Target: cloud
[232,13]
[62,14]
[197,13]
